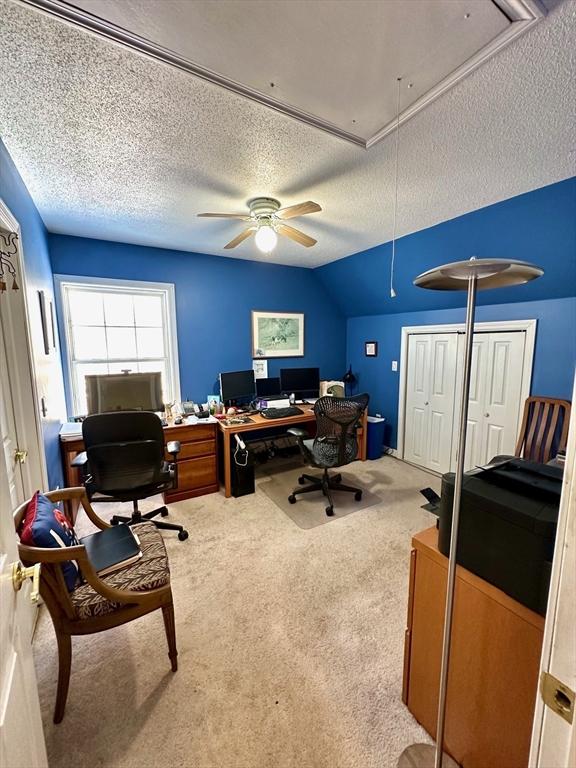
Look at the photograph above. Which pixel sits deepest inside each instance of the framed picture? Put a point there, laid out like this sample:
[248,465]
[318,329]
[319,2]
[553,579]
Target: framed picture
[44,321]
[277,334]
[260,368]
[371,348]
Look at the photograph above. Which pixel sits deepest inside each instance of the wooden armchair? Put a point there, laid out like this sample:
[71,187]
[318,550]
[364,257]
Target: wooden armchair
[99,603]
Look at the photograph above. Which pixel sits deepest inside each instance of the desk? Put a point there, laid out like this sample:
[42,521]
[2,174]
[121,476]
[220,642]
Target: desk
[259,422]
[494,662]
[197,464]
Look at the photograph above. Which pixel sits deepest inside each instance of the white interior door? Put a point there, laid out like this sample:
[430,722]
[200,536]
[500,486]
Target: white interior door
[21,736]
[476,410]
[417,387]
[554,736]
[495,395]
[430,400]
[443,349]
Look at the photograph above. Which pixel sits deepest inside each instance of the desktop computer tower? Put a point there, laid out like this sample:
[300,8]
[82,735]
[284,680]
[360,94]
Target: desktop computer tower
[242,477]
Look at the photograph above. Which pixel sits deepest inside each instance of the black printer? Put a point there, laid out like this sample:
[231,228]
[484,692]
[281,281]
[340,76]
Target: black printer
[508,518]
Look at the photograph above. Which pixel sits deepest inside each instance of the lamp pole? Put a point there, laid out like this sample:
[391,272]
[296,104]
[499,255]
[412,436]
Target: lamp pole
[472,275]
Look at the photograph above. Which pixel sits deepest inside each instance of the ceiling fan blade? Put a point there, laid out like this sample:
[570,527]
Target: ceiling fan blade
[241,216]
[295,234]
[240,238]
[298,210]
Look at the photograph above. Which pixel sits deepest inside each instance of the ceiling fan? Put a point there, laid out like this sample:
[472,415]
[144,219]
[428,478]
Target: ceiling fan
[267,221]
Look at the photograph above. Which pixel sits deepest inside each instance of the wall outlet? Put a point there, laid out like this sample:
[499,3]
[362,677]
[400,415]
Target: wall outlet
[394,365]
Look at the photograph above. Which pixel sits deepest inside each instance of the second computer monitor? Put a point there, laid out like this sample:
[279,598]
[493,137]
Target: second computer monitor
[268,387]
[304,382]
[237,385]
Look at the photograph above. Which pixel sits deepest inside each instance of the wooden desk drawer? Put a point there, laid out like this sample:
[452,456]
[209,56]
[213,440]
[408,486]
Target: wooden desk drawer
[193,450]
[197,473]
[190,434]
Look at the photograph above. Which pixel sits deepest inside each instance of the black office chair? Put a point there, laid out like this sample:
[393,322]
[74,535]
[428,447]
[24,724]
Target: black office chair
[335,445]
[124,461]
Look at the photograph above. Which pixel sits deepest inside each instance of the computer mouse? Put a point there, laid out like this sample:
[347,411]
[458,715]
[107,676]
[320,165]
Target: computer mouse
[178,420]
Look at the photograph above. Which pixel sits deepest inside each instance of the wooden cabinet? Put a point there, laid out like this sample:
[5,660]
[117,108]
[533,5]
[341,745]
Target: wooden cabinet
[492,683]
[197,464]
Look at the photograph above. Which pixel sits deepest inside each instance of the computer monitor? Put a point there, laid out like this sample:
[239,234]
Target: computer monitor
[124,392]
[268,387]
[302,381]
[237,385]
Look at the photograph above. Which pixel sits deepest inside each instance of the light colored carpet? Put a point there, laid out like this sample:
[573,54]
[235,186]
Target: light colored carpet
[290,644]
[309,509]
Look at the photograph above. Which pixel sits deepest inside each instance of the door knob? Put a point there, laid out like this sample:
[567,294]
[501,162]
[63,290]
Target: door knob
[19,576]
[20,456]
[486,415]
[426,403]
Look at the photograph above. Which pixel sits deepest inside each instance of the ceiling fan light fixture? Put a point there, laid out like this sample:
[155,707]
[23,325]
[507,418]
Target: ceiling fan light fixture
[266,238]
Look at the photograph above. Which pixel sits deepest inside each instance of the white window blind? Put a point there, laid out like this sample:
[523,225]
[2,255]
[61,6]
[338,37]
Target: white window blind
[116,326]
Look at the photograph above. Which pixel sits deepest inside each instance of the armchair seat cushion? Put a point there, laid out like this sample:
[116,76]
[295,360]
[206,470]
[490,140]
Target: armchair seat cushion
[149,572]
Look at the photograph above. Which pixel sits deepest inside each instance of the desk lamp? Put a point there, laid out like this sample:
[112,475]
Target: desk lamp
[349,380]
[472,276]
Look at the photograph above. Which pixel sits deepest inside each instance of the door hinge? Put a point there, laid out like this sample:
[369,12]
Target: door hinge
[20,456]
[557,696]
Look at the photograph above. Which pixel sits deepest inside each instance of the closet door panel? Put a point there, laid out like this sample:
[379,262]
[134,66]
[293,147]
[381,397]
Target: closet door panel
[476,400]
[417,412]
[441,400]
[503,392]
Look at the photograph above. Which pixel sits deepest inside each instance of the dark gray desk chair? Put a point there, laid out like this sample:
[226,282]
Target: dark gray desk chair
[124,461]
[335,445]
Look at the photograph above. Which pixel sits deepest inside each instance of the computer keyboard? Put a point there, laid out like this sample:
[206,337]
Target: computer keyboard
[280,413]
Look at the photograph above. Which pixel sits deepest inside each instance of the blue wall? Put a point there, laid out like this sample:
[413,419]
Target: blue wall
[539,226]
[214,300]
[554,355]
[38,277]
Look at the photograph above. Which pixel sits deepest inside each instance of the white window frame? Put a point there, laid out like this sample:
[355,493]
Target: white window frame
[165,290]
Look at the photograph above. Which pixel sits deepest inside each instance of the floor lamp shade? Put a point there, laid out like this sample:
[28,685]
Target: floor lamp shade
[471,276]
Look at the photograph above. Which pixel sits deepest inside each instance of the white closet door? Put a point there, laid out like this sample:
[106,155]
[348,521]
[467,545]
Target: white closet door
[495,395]
[417,387]
[503,389]
[478,375]
[443,350]
[430,400]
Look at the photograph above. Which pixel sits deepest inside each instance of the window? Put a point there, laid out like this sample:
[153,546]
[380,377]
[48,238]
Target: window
[113,326]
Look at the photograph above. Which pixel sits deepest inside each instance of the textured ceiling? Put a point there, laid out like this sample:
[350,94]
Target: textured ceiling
[295,52]
[117,146]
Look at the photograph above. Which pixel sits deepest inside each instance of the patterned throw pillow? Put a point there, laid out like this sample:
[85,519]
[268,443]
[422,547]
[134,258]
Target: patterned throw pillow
[45,526]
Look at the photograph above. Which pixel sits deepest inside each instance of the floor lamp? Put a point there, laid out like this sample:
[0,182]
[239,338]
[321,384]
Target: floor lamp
[472,276]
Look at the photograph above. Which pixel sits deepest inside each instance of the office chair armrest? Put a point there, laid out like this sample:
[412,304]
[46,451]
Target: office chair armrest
[173,447]
[298,433]
[80,461]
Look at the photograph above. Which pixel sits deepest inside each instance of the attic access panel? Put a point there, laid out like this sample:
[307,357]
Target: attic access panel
[329,63]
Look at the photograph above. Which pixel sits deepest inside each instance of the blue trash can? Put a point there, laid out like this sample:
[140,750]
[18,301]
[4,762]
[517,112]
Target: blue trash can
[375,444]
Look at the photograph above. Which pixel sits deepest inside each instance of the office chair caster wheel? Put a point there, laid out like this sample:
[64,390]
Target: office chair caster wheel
[164,512]
[358,496]
[182,535]
[337,478]
[292,499]
[301,480]
[330,511]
